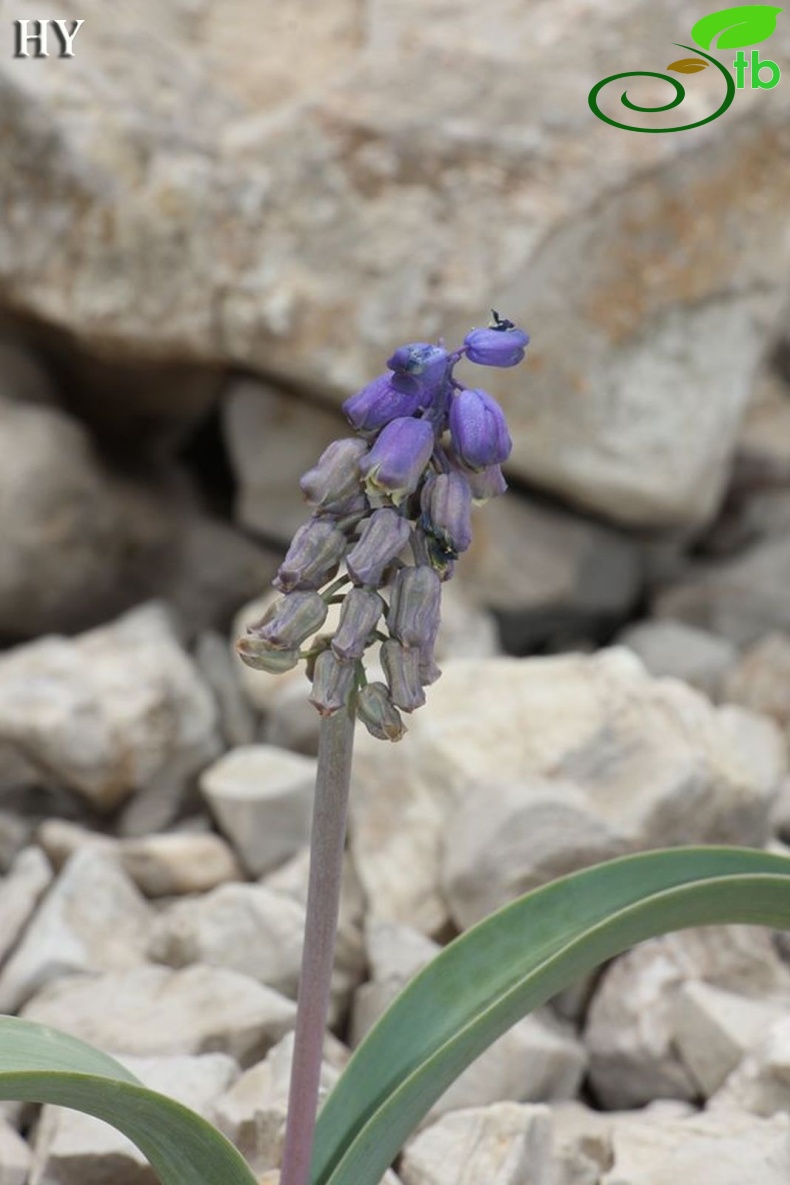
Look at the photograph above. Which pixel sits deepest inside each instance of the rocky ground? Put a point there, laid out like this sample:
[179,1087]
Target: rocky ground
[193,273]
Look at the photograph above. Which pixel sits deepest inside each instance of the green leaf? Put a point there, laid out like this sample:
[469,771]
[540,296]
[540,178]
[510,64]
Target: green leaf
[747,24]
[509,964]
[42,1065]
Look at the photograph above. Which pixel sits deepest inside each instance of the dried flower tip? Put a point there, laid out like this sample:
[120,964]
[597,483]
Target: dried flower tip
[359,615]
[259,655]
[478,429]
[384,536]
[333,683]
[379,403]
[486,483]
[447,511]
[396,462]
[333,484]
[419,369]
[378,713]
[429,671]
[415,607]
[313,557]
[402,669]
[291,619]
[501,344]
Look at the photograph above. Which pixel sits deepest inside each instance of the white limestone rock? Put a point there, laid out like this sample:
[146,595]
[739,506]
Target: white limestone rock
[15,1156]
[152,1011]
[245,928]
[651,760]
[719,1149]
[261,798]
[761,1083]
[252,1111]
[109,712]
[676,649]
[632,1027]
[503,1144]
[27,879]
[178,862]
[93,919]
[714,1029]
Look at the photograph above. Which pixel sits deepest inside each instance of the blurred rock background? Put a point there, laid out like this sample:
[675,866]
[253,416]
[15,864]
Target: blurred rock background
[218,220]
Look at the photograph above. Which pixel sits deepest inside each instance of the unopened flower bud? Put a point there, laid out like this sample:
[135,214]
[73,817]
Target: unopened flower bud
[478,429]
[261,656]
[419,369]
[384,536]
[415,607]
[313,557]
[402,669]
[501,344]
[378,403]
[359,615]
[447,510]
[291,619]
[397,460]
[333,484]
[378,713]
[333,682]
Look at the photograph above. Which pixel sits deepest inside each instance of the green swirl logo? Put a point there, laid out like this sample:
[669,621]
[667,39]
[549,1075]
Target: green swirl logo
[731,28]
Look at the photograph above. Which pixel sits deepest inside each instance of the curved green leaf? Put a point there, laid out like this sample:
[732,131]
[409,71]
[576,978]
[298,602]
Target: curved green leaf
[509,964]
[747,24]
[41,1065]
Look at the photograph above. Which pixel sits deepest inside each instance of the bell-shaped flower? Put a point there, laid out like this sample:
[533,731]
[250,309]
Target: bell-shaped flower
[415,606]
[262,656]
[333,682]
[446,503]
[359,616]
[478,429]
[419,369]
[313,557]
[384,536]
[291,620]
[401,667]
[502,344]
[378,713]
[333,484]
[379,402]
[396,462]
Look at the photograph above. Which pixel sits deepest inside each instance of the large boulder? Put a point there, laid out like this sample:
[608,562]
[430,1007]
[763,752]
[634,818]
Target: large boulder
[408,168]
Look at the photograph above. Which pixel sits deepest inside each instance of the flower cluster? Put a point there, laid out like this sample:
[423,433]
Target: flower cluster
[393,504]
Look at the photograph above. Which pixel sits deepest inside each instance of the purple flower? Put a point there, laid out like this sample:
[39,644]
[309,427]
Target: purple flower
[359,616]
[402,669]
[397,460]
[291,620]
[313,557]
[378,713]
[478,429]
[333,682]
[262,656]
[414,607]
[379,403]
[446,502]
[419,369]
[384,536]
[502,344]
[333,483]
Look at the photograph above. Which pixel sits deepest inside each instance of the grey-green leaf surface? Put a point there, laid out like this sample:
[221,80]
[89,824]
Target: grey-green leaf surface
[746,24]
[513,962]
[42,1065]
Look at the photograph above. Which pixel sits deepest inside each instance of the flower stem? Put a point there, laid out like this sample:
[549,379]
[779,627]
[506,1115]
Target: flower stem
[323,901]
